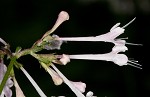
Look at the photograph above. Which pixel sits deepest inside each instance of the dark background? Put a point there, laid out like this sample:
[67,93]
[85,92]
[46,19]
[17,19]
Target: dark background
[22,22]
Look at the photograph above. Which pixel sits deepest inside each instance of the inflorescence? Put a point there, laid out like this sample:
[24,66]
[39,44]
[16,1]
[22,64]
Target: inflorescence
[48,61]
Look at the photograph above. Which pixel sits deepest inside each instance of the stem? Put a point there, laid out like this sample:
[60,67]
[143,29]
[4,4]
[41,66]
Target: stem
[28,51]
[10,66]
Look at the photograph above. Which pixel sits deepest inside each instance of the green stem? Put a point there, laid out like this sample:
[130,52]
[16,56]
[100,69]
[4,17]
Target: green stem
[28,51]
[10,66]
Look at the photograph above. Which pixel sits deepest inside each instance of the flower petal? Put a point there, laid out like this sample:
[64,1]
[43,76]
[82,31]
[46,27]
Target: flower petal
[80,86]
[55,77]
[89,94]
[7,91]
[19,92]
[120,59]
[119,48]
[53,44]
[65,59]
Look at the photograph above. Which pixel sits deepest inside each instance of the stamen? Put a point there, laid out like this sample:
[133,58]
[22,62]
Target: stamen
[134,62]
[134,66]
[129,23]
[122,38]
[133,44]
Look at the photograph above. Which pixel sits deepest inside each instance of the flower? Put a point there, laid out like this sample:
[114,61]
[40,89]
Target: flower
[19,92]
[80,86]
[77,87]
[74,87]
[6,90]
[53,44]
[64,59]
[111,36]
[113,56]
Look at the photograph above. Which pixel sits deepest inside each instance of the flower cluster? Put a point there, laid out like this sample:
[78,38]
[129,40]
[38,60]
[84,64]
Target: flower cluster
[48,61]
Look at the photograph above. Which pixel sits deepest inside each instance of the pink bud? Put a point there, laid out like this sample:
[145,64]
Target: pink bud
[64,59]
[55,77]
[80,86]
[63,16]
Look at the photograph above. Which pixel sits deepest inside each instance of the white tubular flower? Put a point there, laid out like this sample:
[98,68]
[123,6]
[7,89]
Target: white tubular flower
[6,90]
[119,59]
[114,56]
[108,37]
[19,92]
[111,36]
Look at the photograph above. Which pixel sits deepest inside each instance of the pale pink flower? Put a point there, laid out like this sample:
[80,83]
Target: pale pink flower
[55,77]
[6,90]
[111,36]
[77,87]
[80,86]
[64,59]
[76,90]
[113,56]
[19,92]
